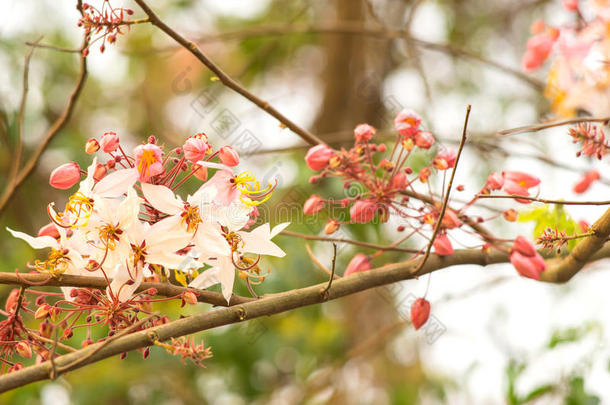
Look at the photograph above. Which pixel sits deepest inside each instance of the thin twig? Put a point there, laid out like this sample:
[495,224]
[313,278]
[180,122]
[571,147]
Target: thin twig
[544,200]
[540,127]
[332,273]
[350,241]
[439,220]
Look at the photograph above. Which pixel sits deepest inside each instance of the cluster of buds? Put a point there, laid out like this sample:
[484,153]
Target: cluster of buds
[187,349]
[592,139]
[552,239]
[105,22]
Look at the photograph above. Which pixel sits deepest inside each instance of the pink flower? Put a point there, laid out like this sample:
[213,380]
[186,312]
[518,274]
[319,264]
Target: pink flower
[495,181]
[528,266]
[317,157]
[109,142]
[525,259]
[359,263]
[65,176]
[195,148]
[363,211]
[148,161]
[586,181]
[539,47]
[364,132]
[313,205]
[228,156]
[570,5]
[420,311]
[518,183]
[223,181]
[442,245]
[424,140]
[445,159]
[407,123]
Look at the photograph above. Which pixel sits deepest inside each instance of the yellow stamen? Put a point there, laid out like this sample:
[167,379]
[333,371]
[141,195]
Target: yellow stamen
[56,263]
[146,160]
[250,189]
[80,206]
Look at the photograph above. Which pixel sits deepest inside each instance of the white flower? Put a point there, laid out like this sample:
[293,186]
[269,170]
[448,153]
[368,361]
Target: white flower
[257,241]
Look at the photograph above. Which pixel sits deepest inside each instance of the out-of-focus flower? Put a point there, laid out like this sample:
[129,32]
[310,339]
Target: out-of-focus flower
[359,263]
[407,123]
[445,159]
[424,139]
[442,245]
[313,205]
[585,182]
[526,259]
[495,181]
[364,133]
[518,183]
[420,312]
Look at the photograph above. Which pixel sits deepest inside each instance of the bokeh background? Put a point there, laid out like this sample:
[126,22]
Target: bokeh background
[493,338]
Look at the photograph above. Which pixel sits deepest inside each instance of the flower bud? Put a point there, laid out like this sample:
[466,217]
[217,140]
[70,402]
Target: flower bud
[407,123]
[510,215]
[524,246]
[92,146]
[100,172]
[24,349]
[195,148]
[42,312]
[109,142]
[420,311]
[228,156]
[65,176]
[364,133]
[201,172]
[424,140]
[313,205]
[318,157]
[363,211]
[424,173]
[190,298]
[359,263]
[399,181]
[442,245]
[331,226]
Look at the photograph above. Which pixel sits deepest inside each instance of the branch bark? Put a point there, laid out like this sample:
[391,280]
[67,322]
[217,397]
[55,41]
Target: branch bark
[268,305]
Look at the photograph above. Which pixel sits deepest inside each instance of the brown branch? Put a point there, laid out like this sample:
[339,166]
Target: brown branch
[164,289]
[540,127]
[225,78]
[268,305]
[544,200]
[358,29]
[57,126]
[439,220]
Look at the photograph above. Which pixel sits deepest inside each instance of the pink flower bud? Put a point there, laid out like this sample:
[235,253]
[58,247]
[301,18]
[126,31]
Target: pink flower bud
[65,176]
[359,263]
[49,229]
[109,142]
[363,211]
[201,172]
[228,156]
[317,158]
[528,266]
[451,220]
[313,205]
[442,245]
[407,123]
[195,148]
[524,246]
[100,172]
[495,181]
[420,311]
[399,181]
[364,133]
[92,146]
[445,159]
[189,297]
[424,139]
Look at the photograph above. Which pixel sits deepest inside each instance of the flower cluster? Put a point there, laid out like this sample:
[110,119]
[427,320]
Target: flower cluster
[105,21]
[594,142]
[126,223]
[578,78]
[511,182]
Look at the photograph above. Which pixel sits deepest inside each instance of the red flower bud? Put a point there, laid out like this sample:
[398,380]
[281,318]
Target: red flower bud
[363,211]
[363,133]
[92,146]
[424,140]
[420,311]
[228,156]
[442,245]
[313,205]
[317,158]
[65,176]
[109,142]
[331,226]
[359,263]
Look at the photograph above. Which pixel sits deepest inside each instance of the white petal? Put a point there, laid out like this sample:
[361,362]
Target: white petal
[172,261]
[123,284]
[87,185]
[204,195]
[116,184]
[129,209]
[223,273]
[259,241]
[279,228]
[210,242]
[39,242]
[213,165]
[162,198]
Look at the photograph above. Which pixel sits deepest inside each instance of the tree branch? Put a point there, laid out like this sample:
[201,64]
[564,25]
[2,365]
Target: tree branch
[225,78]
[268,305]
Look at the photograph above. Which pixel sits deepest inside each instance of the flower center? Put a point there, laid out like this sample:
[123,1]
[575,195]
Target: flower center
[110,235]
[80,207]
[191,217]
[146,160]
[250,189]
[57,262]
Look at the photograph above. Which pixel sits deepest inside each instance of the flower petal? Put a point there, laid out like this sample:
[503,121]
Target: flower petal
[162,198]
[116,184]
[39,242]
